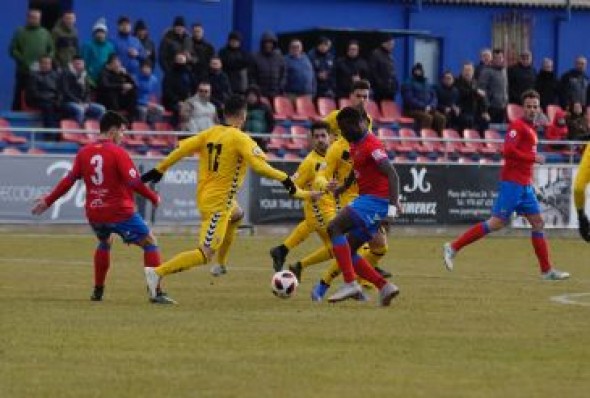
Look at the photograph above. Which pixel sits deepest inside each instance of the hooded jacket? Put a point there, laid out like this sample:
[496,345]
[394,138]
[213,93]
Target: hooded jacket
[170,45]
[268,70]
[123,43]
[66,43]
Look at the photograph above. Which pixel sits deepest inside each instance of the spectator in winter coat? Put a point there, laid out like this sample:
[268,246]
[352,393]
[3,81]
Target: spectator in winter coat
[447,96]
[574,84]
[383,76]
[485,60]
[128,47]
[200,52]
[28,44]
[547,85]
[300,75]
[140,30]
[148,110]
[236,62]
[349,69]
[557,130]
[175,41]
[178,85]
[220,87]
[259,119]
[75,90]
[65,38]
[117,89]
[472,101]
[97,51]
[420,101]
[43,91]
[577,122]
[268,69]
[322,60]
[521,77]
[198,113]
[494,81]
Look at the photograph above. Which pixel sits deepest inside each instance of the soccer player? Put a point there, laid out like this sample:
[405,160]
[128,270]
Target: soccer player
[110,179]
[582,179]
[225,153]
[516,192]
[338,168]
[357,223]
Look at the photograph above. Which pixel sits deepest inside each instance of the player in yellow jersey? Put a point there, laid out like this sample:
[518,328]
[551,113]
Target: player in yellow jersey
[582,180]
[358,99]
[225,153]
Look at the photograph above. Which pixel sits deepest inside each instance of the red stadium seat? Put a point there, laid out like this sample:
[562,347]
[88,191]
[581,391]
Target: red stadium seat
[477,146]
[375,113]
[390,110]
[36,151]
[552,110]
[283,108]
[465,160]
[292,156]
[432,146]
[299,138]
[305,109]
[411,141]
[11,151]
[153,153]
[384,133]
[488,161]
[456,146]
[78,137]
[272,156]
[401,159]
[325,106]
[8,136]
[514,112]
[278,138]
[423,159]
[160,141]
[172,140]
[495,146]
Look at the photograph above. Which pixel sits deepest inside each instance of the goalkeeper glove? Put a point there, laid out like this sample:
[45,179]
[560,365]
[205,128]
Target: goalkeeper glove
[152,176]
[584,225]
[289,186]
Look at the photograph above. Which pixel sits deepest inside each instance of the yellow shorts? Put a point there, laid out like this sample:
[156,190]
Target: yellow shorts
[213,227]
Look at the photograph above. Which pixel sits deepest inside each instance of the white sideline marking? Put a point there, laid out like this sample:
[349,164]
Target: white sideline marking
[571,299]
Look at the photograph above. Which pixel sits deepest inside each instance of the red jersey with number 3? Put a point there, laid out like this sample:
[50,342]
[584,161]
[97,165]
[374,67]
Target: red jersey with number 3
[366,154]
[109,174]
[520,148]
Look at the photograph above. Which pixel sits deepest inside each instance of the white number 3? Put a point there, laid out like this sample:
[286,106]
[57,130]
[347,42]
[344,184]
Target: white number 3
[98,176]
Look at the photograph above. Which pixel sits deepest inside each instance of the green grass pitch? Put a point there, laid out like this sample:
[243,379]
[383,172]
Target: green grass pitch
[488,329]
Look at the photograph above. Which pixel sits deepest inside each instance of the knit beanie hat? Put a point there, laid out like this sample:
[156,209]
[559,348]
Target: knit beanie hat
[101,24]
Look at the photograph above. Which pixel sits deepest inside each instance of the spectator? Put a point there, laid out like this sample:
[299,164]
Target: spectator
[300,76]
[420,101]
[557,130]
[178,85]
[175,41]
[43,91]
[485,60]
[447,96]
[198,112]
[472,101]
[97,51]
[348,69]
[547,85]
[236,63]
[75,89]
[577,122]
[201,52]
[259,119]
[116,89]
[128,47]
[494,81]
[29,43]
[574,84]
[322,60]
[383,76]
[220,87]
[65,38]
[140,30]
[521,77]
[148,110]
[268,69]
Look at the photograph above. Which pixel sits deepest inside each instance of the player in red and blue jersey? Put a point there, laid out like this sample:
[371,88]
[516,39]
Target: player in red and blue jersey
[111,179]
[378,202]
[516,192]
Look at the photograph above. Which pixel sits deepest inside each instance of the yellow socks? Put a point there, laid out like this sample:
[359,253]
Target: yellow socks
[319,256]
[228,239]
[182,262]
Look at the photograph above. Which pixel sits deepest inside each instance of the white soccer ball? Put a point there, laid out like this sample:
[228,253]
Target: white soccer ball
[284,284]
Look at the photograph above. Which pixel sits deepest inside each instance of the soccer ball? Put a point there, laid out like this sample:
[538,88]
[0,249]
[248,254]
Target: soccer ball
[284,284]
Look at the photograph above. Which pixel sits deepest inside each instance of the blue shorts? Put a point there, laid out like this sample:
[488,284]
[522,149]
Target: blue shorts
[131,230]
[367,212]
[513,197]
